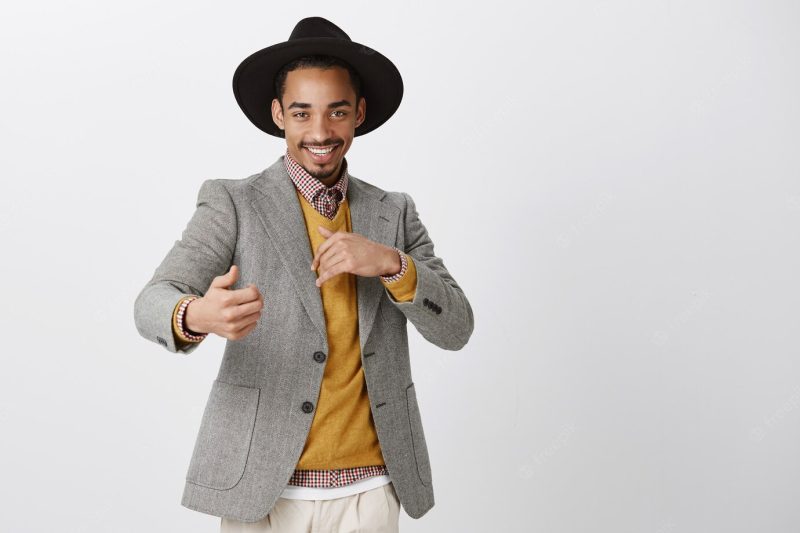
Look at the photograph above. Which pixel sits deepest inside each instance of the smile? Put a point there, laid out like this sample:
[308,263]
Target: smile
[320,151]
[322,155]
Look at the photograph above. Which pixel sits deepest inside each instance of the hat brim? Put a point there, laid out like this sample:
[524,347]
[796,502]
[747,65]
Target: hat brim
[253,80]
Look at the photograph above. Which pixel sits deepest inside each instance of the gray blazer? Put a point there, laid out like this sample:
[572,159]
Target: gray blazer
[255,423]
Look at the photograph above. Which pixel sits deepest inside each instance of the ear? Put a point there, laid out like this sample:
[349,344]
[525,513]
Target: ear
[277,113]
[361,111]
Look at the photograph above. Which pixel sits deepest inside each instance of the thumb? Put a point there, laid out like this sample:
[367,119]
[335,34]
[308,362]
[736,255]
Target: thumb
[325,231]
[226,280]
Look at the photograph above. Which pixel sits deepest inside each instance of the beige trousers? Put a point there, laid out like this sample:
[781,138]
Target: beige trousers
[372,511]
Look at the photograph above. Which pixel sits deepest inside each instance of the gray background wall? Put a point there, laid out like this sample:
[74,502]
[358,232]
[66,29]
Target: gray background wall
[614,184]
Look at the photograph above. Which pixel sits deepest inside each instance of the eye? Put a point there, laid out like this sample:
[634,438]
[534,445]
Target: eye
[299,113]
[343,113]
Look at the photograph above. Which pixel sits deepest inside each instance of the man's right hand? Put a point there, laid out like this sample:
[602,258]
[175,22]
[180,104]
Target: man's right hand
[232,314]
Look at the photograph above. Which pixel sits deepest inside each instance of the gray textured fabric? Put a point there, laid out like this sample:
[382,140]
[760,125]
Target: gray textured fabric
[253,429]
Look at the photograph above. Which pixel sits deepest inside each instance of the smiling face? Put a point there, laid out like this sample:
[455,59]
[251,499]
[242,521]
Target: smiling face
[319,116]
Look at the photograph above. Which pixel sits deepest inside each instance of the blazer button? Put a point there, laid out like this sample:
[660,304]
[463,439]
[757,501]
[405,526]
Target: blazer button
[308,407]
[438,310]
[425,301]
[319,357]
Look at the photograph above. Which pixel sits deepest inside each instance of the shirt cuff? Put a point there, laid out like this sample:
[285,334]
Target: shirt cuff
[403,267]
[404,288]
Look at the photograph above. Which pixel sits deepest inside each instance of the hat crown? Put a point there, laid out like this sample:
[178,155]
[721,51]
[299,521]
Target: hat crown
[315,27]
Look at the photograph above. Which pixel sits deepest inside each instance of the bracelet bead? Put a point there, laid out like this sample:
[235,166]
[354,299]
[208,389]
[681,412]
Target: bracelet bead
[184,332]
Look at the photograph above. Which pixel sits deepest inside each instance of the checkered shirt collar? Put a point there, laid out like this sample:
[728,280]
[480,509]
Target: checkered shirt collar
[311,188]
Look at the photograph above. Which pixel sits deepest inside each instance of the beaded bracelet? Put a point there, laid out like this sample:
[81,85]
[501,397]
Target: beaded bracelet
[403,267]
[183,331]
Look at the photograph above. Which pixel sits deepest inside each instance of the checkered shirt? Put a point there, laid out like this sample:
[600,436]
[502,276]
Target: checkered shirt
[335,478]
[326,201]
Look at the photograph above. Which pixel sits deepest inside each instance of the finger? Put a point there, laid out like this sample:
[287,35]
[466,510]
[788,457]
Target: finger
[244,295]
[252,307]
[259,294]
[338,266]
[324,258]
[256,293]
[246,321]
[226,280]
[246,309]
[329,241]
[244,331]
[323,246]
[328,259]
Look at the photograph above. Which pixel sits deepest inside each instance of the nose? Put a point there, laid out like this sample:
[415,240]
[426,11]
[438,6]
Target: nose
[320,129]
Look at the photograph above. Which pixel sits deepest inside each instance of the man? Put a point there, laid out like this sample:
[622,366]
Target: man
[311,275]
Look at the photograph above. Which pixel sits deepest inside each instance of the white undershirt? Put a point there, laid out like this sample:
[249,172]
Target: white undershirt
[295,492]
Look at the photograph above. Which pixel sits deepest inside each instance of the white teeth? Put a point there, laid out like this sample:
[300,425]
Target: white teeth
[317,151]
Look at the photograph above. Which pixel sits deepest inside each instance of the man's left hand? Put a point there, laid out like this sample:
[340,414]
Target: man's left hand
[345,251]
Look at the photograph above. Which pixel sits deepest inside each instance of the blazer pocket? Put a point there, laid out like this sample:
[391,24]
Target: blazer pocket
[223,442]
[418,436]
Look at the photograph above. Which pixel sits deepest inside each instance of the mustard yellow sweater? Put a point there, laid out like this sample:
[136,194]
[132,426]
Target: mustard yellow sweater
[342,432]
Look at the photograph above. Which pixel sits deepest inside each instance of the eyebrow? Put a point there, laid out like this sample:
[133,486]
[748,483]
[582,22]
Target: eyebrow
[303,105]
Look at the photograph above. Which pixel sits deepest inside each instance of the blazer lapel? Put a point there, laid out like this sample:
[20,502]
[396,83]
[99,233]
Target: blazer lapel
[278,208]
[378,222]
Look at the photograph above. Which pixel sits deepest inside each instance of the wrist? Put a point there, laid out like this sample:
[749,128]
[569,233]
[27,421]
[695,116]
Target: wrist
[184,332]
[398,268]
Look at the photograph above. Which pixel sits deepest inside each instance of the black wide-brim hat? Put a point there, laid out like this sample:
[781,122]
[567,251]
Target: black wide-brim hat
[253,81]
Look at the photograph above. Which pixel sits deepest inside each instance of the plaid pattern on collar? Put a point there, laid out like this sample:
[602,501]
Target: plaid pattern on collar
[325,200]
[335,478]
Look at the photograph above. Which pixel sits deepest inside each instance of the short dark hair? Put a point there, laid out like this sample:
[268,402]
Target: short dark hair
[315,61]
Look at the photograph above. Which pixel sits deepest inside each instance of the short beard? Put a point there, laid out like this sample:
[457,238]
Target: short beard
[320,175]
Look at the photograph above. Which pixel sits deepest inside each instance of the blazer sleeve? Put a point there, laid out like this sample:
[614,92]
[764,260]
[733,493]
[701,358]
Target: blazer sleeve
[439,309]
[204,251]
